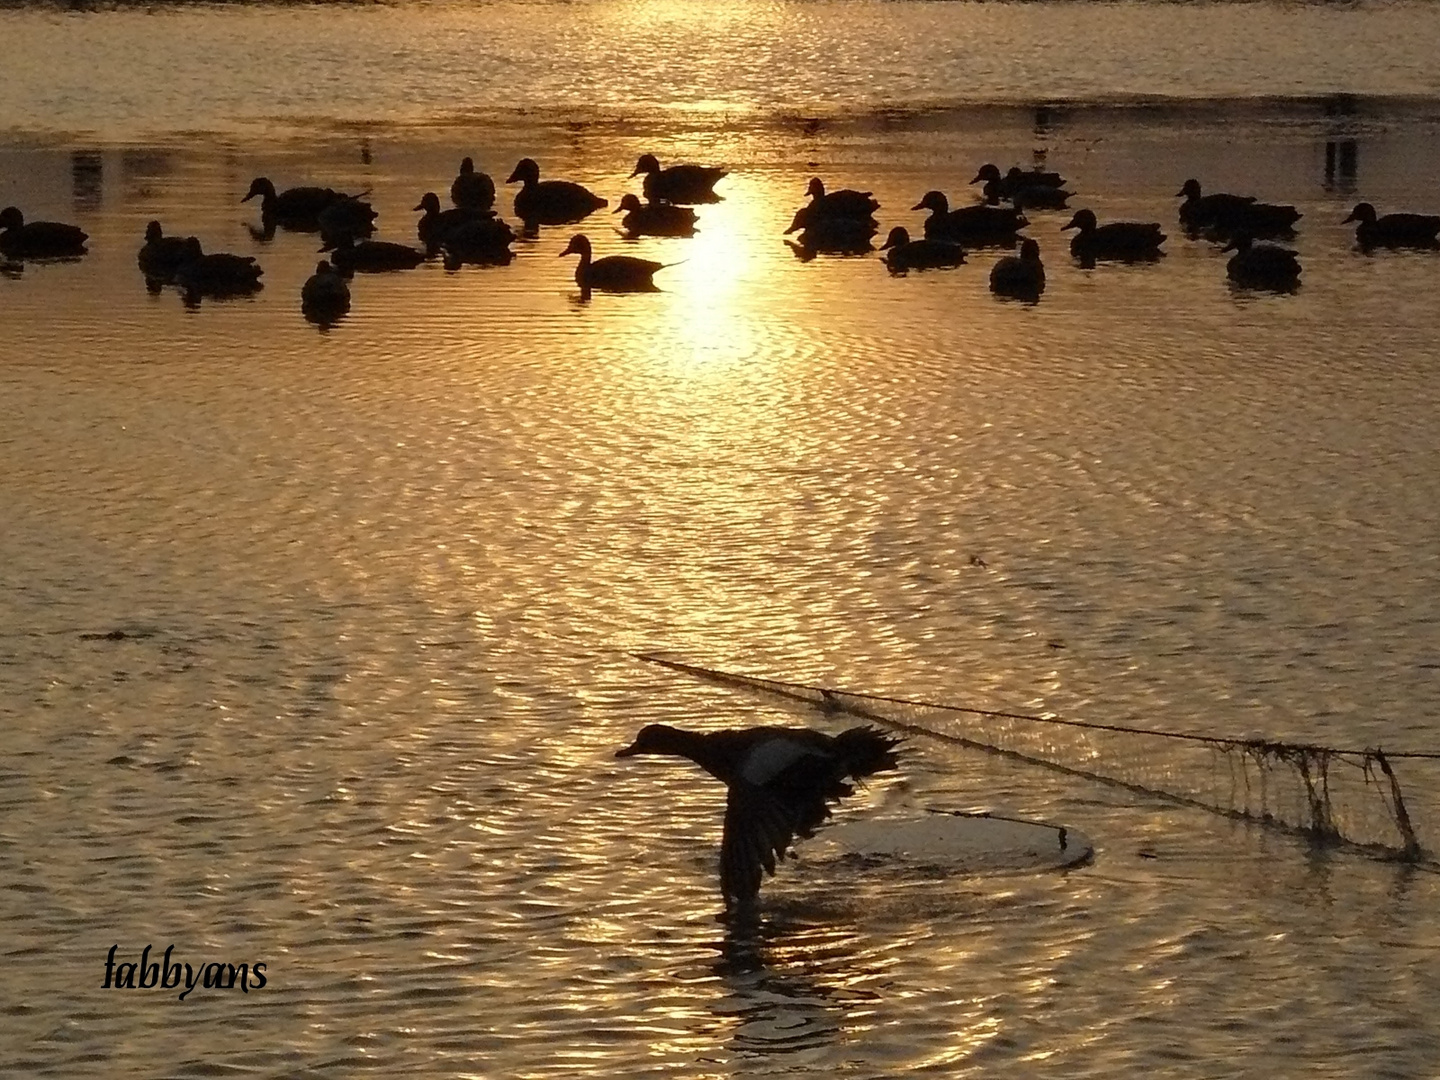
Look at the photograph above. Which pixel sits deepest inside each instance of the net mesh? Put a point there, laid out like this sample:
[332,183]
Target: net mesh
[1333,795]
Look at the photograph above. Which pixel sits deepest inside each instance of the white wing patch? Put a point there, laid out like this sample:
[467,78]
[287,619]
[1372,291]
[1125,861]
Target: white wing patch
[771,758]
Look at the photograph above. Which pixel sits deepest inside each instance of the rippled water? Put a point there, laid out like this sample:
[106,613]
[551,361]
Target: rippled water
[315,646]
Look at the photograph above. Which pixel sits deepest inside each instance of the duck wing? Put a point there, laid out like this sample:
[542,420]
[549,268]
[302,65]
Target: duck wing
[761,822]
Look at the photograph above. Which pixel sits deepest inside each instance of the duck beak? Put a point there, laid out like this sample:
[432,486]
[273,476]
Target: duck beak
[247,198]
[1179,193]
[629,751]
[420,207]
[1073,225]
[634,174]
[618,208]
[513,177]
[919,205]
[1349,219]
[977,179]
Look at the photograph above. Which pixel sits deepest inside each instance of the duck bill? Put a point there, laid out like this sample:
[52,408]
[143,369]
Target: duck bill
[629,751]
[920,206]
[1074,224]
[415,208]
[514,176]
[1349,219]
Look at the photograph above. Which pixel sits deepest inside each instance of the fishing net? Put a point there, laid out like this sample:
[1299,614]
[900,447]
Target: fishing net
[1332,795]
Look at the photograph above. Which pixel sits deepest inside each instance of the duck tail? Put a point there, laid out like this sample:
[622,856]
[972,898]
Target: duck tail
[867,750]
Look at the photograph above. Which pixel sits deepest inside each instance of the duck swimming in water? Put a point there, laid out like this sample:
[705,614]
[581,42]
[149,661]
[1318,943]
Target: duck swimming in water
[550,202]
[1121,240]
[1262,266]
[38,239]
[297,208]
[976,225]
[324,297]
[1017,179]
[1226,215]
[1021,276]
[682,184]
[782,782]
[613,273]
[217,274]
[436,224]
[160,256]
[372,256]
[656,218]
[902,253]
[830,235]
[472,190]
[1393,230]
[845,203]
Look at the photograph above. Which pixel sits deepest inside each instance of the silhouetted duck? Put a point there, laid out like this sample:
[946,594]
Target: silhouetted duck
[433,227]
[472,190]
[686,184]
[216,274]
[831,235]
[550,202]
[296,208]
[324,297]
[1230,215]
[845,203]
[1020,275]
[1033,198]
[1016,179]
[346,217]
[372,256]
[656,218]
[781,783]
[902,253]
[483,241]
[613,273]
[1264,266]
[1393,230]
[969,224]
[38,239]
[1124,240]
[160,256]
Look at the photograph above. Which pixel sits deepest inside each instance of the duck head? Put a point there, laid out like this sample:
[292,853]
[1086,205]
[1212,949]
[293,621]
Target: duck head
[430,203]
[816,188]
[260,186]
[630,201]
[322,267]
[988,173]
[1191,190]
[1241,242]
[899,236]
[1363,212]
[1030,251]
[467,166]
[801,220]
[153,231]
[933,200]
[192,248]
[656,739]
[11,218]
[1084,220]
[579,245]
[527,171]
[646,164]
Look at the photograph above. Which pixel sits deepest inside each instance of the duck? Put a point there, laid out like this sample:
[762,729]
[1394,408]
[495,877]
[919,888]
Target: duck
[160,256]
[781,784]
[324,297]
[1031,198]
[969,224]
[295,208]
[472,190]
[436,224]
[613,273]
[1393,230]
[1021,276]
[348,216]
[902,253]
[38,239]
[371,256]
[550,202]
[1263,266]
[655,218]
[1122,240]
[483,241]
[1230,215]
[845,203]
[217,273]
[831,235]
[681,184]
[1017,179]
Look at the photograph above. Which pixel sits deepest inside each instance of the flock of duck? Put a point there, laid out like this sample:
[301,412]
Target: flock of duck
[838,222]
